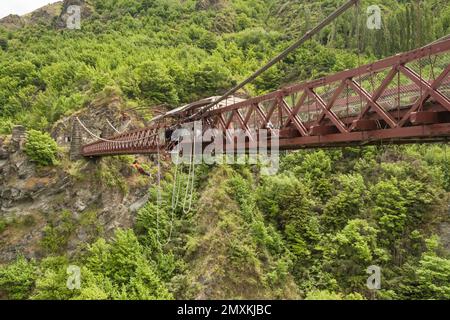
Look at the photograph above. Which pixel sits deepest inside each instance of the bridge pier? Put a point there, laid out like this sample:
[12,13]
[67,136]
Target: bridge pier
[75,142]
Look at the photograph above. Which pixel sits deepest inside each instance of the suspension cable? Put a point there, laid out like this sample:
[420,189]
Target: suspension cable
[308,35]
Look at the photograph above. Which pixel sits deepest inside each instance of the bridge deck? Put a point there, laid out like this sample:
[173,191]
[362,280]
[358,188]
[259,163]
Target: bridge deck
[400,99]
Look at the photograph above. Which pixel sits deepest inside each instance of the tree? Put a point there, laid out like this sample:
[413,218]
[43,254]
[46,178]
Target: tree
[155,83]
[349,252]
[285,200]
[116,270]
[390,208]
[52,282]
[124,265]
[3,44]
[315,169]
[347,201]
[433,274]
[211,77]
[327,295]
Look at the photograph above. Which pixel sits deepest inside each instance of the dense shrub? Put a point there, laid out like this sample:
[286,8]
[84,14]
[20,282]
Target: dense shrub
[41,148]
[17,279]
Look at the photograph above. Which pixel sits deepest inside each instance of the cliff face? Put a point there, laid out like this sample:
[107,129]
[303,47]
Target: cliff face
[53,209]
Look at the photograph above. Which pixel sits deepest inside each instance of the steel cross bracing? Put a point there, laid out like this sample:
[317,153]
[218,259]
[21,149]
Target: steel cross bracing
[401,99]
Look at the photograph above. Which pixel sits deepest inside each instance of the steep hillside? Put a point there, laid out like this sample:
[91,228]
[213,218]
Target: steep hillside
[53,209]
[179,51]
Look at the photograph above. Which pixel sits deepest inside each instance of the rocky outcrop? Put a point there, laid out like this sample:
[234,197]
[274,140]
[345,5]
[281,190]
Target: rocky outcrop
[45,15]
[54,14]
[102,117]
[12,22]
[36,200]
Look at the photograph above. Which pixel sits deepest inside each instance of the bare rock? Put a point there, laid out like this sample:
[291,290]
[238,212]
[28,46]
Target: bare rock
[46,193]
[80,205]
[139,203]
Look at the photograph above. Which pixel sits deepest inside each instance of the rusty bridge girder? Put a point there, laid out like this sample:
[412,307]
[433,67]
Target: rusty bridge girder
[401,99]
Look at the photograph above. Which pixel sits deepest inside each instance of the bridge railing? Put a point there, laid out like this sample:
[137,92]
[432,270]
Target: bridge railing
[387,94]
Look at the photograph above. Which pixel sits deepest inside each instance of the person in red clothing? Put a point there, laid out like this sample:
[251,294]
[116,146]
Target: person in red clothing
[139,168]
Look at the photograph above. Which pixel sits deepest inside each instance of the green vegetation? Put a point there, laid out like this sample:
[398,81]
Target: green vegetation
[56,237]
[378,212]
[41,148]
[270,236]
[3,225]
[308,232]
[118,270]
[27,221]
[111,172]
[179,51]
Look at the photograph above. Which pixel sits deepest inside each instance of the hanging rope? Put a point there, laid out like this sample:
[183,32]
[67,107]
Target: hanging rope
[158,195]
[175,190]
[176,187]
[445,158]
[191,177]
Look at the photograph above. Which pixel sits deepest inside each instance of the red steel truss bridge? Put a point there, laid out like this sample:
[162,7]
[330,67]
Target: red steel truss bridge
[401,99]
